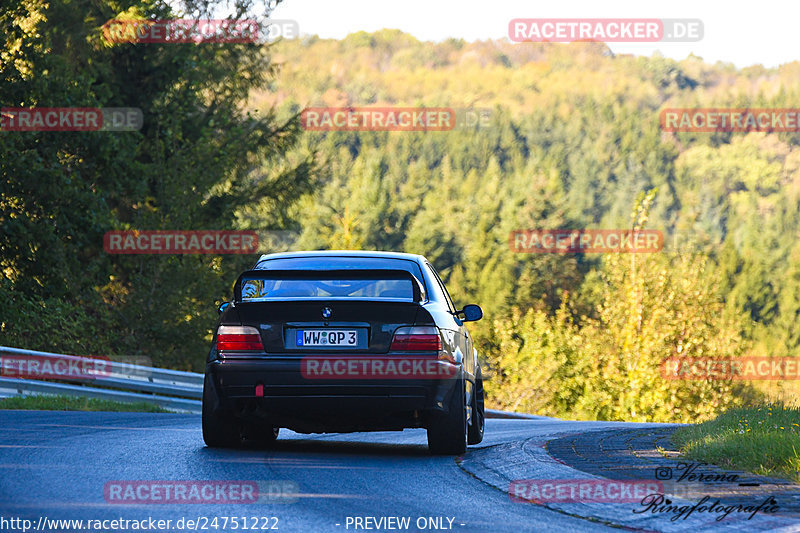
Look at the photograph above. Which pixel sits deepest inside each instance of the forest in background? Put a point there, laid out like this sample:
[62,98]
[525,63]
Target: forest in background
[573,142]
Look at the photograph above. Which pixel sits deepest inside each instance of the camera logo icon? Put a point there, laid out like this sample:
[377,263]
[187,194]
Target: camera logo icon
[663,473]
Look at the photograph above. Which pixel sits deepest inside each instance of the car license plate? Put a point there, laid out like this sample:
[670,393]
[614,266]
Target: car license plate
[326,337]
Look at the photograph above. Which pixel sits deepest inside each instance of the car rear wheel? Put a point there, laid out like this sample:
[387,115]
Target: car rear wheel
[219,431]
[475,431]
[447,433]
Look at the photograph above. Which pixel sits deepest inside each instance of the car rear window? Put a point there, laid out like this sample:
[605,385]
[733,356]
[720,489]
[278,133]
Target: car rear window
[345,262]
[262,289]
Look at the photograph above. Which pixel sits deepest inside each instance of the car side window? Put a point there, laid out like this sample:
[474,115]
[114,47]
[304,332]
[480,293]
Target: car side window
[442,287]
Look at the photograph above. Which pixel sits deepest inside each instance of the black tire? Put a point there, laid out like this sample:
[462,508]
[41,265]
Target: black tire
[219,430]
[447,433]
[475,430]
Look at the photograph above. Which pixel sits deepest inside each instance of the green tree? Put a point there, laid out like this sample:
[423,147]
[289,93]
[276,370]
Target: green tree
[197,159]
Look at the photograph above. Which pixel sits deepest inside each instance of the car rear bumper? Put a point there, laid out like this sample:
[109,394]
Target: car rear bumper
[279,392]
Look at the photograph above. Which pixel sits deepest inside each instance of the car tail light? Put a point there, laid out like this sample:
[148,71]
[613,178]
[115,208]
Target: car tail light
[238,339]
[417,339]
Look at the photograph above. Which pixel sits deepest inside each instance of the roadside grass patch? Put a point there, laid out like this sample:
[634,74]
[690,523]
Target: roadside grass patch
[763,439]
[71,403]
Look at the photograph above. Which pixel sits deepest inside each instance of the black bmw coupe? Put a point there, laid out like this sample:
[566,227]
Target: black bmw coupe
[343,341]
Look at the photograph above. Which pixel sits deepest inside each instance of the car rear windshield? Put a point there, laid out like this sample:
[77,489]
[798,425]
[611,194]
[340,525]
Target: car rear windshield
[344,262]
[262,289]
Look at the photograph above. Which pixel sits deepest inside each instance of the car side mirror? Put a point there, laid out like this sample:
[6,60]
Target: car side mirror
[223,306]
[471,313]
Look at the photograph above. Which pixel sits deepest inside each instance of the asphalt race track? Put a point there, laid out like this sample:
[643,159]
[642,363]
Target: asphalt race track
[64,465]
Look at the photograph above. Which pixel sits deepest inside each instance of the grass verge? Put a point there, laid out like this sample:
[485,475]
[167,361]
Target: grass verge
[71,403]
[764,439]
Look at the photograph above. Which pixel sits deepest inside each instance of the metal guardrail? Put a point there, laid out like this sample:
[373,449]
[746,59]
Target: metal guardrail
[27,387]
[105,379]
